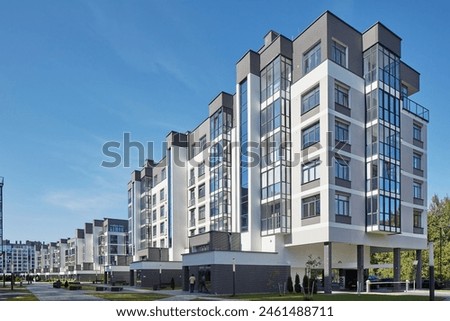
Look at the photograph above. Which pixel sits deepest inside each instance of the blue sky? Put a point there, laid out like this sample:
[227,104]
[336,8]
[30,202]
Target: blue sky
[77,74]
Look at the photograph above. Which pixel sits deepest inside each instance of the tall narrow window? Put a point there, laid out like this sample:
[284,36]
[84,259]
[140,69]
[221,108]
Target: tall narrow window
[417,219]
[339,54]
[342,169]
[341,95]
[417,161]
[417,190]
[341,131]
[417,132]
[311,59]
[342,204]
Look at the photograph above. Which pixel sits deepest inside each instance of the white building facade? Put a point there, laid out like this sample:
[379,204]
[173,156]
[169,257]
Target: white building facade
[319,154]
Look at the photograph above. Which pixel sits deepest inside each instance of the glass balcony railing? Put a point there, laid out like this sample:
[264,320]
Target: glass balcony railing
[416,109]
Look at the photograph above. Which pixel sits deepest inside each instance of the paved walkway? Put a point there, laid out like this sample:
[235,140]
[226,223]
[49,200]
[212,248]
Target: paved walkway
[45,292]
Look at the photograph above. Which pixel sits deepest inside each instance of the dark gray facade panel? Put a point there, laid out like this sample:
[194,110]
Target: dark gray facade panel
[281,46]
[222,100]
[378,33]
[343,110]
[150,278]
[88,228]
[343,219]
[343,183]
[249,64]
[316,33]
[350,38]
[410,78]
[249,278]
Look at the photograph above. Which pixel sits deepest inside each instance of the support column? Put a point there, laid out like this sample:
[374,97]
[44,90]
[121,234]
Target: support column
[360,266]
[419,269]
[397,269]
[327,255]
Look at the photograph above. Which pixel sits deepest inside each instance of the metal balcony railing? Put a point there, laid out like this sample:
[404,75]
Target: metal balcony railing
[416,109]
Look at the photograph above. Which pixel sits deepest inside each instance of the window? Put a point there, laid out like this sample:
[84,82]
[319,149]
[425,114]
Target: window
[417,161]
[311,135]
[161,211]
[201,213]
[154,215]
[202,143]
[311,99]
[154,231]
[341,131]
[163,174]
[201,191]
[417,132]
[417,219]
[342,170]
[155,180]
[161,195]
[417,190]
[311,206]
[311,59]
[162,228]
[201,230]
[201,169]
[338,54]
[154,199]
[310,171]
[341,95]
[191,176]
[162,243]
[342,204]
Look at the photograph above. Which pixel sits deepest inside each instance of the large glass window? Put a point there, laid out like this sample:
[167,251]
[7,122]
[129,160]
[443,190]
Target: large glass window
[311,206]
[342,170]
[161,195]
[162,211]
[311,59]
[244,157]
[271,117]
[342,204]
[311,135]
[310,171]
[202,143]
[311,99]
[339,54]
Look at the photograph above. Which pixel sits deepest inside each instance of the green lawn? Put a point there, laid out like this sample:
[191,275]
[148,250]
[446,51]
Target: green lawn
[129,296]
[332,297]
[18,294]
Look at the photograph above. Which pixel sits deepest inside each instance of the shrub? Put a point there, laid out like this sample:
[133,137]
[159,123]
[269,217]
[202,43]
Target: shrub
[297,286]
[290,285]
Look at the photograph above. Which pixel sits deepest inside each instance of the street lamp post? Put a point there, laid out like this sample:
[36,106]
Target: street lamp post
[234,276]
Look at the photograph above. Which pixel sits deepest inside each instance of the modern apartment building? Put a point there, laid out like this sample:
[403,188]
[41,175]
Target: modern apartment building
[320,153]
[19,257]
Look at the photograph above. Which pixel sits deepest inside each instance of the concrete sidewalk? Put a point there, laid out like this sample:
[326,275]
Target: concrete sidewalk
[45,292]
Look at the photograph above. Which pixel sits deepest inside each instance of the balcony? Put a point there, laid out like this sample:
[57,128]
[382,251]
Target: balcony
[416,109]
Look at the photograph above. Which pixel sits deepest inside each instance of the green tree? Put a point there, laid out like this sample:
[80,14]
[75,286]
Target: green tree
[438,232]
